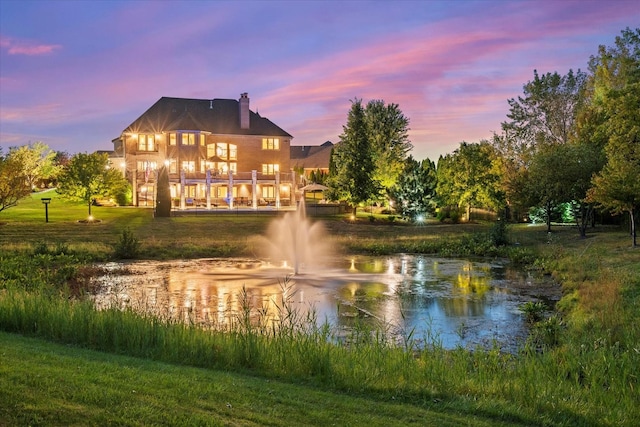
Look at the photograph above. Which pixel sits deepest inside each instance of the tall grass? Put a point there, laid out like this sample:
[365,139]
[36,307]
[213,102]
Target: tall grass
[567,385]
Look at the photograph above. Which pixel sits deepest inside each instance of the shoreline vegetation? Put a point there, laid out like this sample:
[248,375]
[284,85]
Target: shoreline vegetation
[63,362]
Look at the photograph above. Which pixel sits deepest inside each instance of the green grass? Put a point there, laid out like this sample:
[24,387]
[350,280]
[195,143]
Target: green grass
[43,383]
[579,368]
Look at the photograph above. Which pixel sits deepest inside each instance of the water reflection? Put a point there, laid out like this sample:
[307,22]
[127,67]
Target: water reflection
[448,301]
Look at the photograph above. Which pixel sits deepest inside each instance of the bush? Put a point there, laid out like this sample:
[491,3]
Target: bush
[499,233]
[128,246]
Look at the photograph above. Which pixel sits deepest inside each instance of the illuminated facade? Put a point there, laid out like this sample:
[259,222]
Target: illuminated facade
[219,154]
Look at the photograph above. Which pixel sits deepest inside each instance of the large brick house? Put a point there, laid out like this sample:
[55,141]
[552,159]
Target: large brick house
[218,153]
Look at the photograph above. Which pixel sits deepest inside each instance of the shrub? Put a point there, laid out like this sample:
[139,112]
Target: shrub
[533,311]
[128,246]
[499,233]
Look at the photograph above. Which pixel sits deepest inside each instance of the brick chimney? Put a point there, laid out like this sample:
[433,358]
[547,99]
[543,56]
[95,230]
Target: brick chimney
[244,110]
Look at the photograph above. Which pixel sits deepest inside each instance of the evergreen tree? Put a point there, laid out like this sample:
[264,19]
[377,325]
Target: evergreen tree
[352,165]
[415,189]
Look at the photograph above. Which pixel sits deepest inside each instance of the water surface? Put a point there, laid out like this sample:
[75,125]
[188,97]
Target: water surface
[450,302]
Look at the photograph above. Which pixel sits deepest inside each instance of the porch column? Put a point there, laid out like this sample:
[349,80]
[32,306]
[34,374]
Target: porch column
[277,190]
[230,189]
[183,204]
[207,189]
[254,189]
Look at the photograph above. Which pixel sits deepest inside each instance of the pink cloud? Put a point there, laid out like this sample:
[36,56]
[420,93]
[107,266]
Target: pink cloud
[23,47]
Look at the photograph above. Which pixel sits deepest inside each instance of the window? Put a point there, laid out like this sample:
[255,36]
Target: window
[189,166]
[233,152]
[173,166]
[144,165]
[146,143]
[270,168]
[211,150]
[172,139]
[270,143]
[223,167]
[188,139]
[206,165]
[202,138]
[221,150]
[233,167]
[268,192]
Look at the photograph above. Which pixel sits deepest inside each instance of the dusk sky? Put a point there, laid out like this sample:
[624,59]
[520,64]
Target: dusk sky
[74,74]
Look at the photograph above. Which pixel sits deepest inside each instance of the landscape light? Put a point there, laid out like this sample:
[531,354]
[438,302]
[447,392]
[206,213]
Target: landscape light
[420,218]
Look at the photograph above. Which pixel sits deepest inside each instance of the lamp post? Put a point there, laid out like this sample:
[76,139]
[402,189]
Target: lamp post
[46,201]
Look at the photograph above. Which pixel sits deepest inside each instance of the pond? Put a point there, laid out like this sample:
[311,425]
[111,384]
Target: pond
[442,301]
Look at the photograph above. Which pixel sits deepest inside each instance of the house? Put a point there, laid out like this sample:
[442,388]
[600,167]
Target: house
[218,153]
[309,159]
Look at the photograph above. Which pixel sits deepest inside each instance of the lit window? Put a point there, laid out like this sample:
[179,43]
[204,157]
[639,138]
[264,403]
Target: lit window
[270,143]
[146,143]
[173,166]
[233,152]
[223,167]
[145,165]
[221,150]
[188,139]
[233,167]
[172,139]
[202,139]
[207,165]
[211,150]
[189,166]
[270,168]
[268,192]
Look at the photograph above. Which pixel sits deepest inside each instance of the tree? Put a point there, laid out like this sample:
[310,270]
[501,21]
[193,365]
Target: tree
[617,186]
[38,162]
[163,200]
[13,183]
[89,175]
[381,130]
[468,177]
[616,103]
[415,190]
[351,170]
[545,115]
[387,130]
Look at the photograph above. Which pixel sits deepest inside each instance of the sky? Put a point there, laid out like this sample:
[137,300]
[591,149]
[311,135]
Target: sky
[75,74]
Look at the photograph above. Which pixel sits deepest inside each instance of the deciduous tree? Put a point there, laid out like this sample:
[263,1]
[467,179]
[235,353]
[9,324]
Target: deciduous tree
[387,130]
[468,177]
[13,183]
[90,175]
[38,162]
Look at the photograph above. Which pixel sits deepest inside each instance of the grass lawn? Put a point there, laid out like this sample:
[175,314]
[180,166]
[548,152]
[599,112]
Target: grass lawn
[43,383]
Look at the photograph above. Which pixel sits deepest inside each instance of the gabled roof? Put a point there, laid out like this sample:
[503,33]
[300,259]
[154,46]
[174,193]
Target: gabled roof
[218,116]
[311,156]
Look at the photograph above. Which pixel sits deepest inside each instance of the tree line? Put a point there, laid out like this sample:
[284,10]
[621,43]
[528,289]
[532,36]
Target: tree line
[569,141]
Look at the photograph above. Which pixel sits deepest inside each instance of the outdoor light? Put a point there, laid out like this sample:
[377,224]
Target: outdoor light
[420,218]
[90,218]
[353,217]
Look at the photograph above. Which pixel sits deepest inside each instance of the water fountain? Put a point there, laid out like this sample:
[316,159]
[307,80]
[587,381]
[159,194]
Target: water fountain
[295,241]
